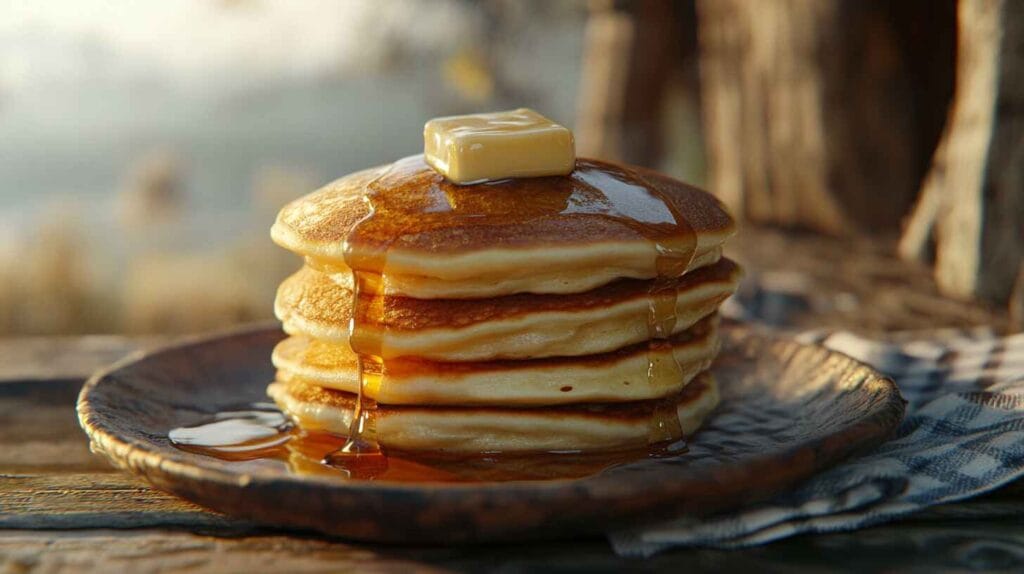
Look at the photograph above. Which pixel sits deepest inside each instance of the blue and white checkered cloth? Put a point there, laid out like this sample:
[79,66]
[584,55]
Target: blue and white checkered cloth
[963,435]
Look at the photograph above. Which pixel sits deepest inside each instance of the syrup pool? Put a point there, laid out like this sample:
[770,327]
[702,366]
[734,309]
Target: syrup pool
[260,434]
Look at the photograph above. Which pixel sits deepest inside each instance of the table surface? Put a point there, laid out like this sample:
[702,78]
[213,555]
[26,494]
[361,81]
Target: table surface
[63,508]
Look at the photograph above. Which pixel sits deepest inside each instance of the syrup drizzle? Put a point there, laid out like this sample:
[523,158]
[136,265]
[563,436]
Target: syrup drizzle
[674,253]
[361,448]
[427,201]
[671,262]
[271,441]
[361,441]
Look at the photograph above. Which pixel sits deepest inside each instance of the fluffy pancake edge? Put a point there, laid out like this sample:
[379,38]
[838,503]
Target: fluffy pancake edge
[618,376]
[489,429]
[320,311]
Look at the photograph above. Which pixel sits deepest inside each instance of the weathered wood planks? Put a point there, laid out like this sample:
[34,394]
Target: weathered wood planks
[49,479]
[98,500]
[63,358]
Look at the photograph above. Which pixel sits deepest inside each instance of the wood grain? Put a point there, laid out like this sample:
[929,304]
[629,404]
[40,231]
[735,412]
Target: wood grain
[632,54]
[161,551]
[49,479]
[909,546]
[972,201]
[64,358]
[816,112]
[39,433]
[83,500]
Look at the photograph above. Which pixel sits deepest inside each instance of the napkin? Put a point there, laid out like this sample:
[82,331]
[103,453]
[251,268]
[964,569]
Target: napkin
[963,435]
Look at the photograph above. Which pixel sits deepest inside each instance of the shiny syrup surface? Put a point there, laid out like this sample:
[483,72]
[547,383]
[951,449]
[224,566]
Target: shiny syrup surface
[409,204]
[273,442]
[408,198]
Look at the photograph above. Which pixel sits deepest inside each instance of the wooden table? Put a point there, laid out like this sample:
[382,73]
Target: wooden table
[65,509]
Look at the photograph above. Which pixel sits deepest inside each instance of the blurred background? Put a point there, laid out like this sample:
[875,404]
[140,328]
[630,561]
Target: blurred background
[145,147]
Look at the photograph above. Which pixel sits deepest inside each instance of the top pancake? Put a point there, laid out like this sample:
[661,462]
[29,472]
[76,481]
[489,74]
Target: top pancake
[545,235]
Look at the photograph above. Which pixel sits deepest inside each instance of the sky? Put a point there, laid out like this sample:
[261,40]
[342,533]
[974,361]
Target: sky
[197,45]
[87,87]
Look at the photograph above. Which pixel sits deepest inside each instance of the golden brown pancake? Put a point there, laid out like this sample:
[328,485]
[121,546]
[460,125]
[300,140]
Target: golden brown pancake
[511,316]
[588,427]
[563,234]
[523,326]
[618,376]
[559,280]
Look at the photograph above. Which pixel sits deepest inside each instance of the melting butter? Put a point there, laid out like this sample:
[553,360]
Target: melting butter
[499,145]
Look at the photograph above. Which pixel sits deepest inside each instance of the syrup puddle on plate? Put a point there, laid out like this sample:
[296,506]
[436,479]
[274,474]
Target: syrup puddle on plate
[261,433]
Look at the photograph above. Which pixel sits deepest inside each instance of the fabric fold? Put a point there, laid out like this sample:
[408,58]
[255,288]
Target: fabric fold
[963,435]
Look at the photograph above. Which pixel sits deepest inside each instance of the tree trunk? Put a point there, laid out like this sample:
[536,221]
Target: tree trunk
[972,202]
[632,52]
[810,112]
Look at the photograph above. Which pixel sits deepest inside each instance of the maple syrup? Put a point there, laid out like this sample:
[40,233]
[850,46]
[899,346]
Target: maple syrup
[269,440]
[361,442]
[246,432]
[409,199]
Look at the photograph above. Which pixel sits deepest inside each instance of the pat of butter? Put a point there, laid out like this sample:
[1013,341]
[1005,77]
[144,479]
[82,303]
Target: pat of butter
[498,145]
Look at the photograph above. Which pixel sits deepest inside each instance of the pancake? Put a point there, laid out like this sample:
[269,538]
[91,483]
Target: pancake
[590,427]
[560,234]
[553,281]
[618,376]
[523,326]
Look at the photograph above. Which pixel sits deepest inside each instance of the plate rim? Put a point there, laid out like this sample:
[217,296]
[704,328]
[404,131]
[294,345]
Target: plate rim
[145,458]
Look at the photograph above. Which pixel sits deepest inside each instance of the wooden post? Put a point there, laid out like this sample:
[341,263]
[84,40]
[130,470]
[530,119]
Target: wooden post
[632,51]
[972,202]
[608,41]
[810,113]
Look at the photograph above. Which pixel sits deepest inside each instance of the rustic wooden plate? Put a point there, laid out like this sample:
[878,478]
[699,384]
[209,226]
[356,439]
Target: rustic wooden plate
[787,411]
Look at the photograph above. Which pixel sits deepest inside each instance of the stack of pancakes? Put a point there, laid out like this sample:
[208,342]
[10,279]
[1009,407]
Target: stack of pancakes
[512,316]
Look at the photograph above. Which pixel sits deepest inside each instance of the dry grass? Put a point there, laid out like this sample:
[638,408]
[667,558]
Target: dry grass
[43,285]
[50,282]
